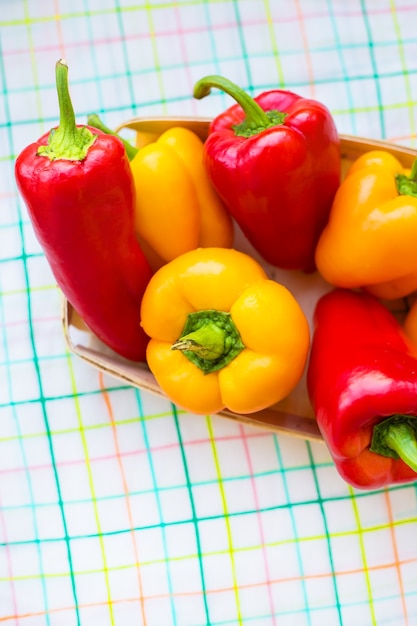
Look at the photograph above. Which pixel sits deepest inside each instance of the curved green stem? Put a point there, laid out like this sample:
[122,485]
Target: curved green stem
[413,173]
[401,439]
[407,185]
[68,141]
[207,342]
[256,119]
[95,121]
[396,437]
[210,340]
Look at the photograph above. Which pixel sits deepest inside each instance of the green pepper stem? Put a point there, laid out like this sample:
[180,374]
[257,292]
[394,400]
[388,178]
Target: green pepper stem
[413,173]
[210,340]
[68,141]
[207,341]
[256,119]
[95,121]
[401,438]
[67,122]
[396,437]
[407,185]
[255,116]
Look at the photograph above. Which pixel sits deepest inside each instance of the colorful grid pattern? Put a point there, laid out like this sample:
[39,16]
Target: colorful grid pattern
[117,509]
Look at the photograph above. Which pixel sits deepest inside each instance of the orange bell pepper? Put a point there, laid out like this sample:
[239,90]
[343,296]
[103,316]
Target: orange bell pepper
[370,240]
[222,334]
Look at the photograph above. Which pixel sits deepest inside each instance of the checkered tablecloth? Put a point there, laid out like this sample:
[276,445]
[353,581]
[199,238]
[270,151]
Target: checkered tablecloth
[117,508]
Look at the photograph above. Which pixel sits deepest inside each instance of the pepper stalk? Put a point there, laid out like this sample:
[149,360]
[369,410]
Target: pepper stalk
[67,141]
[256,119]
[210,340]
[396,437]
[407,185]
[96,122]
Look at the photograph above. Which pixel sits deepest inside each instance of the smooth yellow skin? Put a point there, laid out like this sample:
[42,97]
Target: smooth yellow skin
[270,321]
[370,240]
[177,209]
[216,229]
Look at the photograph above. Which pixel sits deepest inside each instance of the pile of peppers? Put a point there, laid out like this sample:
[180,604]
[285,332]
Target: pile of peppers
[140,242]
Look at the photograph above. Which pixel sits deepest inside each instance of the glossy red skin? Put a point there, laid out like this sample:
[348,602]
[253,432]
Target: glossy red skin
[362,369]
[279,184]
[82,213]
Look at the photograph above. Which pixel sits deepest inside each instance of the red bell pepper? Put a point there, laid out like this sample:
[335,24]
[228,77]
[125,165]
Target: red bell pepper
[79,191]
[275,161]
[362,383]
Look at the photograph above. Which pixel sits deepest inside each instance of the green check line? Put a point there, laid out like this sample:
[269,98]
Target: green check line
[10,157]
[127,498]
[81,14]
[371,109]
[327,535]
[162,526]
[41,399]
[28,23]
[346,77]
[199,554]
[226,517]
[76,429]
[376,76]
[260,87]
[181,98]
[226,552]
[205,483]
[213,49]
[244,56]
[42,402]
[91,485]
[360,533]
[334,534]
[231,59]
[149,6]
[254,55]
[88,14]
[404,68]
[80,394]
[127,72]
[26,290]
[28,475]
[274,45]
[293,525]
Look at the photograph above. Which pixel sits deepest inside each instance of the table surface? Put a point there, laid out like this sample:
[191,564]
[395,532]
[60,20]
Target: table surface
[117,508]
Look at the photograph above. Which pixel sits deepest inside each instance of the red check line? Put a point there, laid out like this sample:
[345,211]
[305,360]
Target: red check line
[260,524]
[208,592]
[397,562]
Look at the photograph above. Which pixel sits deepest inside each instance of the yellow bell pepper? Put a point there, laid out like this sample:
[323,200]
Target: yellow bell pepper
[370,240]
[177,209]
[222,334]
